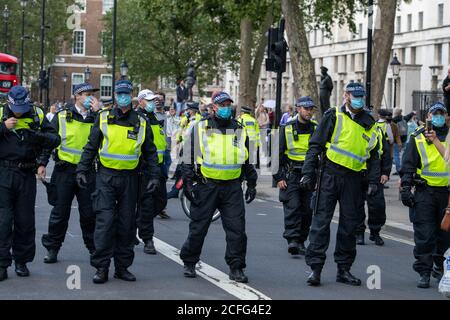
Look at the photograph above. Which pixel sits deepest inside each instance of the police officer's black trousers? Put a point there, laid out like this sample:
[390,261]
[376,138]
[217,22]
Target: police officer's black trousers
[17,216]
[63,178]
[114,202]
[344,186]
[150,206]
[376,205]
[426,216]
[228,198]
[297,209]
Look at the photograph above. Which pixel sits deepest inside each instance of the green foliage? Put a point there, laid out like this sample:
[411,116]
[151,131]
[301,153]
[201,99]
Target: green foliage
[159,37]
[323,14]
[56,16]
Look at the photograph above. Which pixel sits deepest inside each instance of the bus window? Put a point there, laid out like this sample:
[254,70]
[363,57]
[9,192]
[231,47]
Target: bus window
[7,68]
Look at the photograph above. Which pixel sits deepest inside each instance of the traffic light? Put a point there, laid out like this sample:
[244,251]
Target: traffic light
[277,49]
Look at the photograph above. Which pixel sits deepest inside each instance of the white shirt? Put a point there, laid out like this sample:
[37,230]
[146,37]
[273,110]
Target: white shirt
[49,116]
[351,113]
[83,113]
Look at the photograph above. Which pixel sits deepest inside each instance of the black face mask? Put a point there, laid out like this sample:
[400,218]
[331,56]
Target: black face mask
[324,73]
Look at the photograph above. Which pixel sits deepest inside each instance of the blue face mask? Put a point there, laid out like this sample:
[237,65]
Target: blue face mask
[150,107]
[187,115]
[438,120]
[123,100]
[87,102]
[357,103]
[224,113]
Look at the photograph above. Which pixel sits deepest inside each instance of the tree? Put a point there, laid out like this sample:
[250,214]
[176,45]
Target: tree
[255,19]
[303,16]
[383,39]
[158,38]
[57,33]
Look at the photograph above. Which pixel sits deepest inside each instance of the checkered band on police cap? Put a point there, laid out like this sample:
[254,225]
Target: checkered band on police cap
[305,102]
[436,107]
[19,96]
[356,89]
[123,86]
[221,97]
[80,88]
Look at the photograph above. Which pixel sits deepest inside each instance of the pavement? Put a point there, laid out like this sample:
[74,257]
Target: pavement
[386,272]
[397,214]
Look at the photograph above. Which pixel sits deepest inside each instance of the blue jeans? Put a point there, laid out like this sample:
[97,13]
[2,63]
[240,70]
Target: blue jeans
[397,157]
[181,106]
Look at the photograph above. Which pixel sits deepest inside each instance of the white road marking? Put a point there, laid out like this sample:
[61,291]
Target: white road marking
[259,200]
[261,214]
[213,275]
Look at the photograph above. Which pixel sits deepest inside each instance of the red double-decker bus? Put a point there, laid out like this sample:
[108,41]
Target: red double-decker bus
[8,72]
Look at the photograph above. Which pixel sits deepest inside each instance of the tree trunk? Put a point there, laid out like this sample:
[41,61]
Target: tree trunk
[250,67]
[245,62]
[302,62]
[383,39]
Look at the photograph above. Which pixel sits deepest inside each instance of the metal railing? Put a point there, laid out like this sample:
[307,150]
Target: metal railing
[422,100]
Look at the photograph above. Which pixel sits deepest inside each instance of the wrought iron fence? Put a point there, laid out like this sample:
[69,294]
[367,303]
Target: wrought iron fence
[422,100]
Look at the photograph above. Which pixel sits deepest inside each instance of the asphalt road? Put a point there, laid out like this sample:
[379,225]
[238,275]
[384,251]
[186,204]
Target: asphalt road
[271,270]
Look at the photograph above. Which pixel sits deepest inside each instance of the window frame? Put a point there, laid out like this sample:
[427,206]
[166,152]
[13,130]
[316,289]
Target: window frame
[84,43]
[102,76]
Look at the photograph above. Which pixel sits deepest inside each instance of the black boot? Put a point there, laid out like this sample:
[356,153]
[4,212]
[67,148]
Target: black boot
[437,273]
[189,270]
[149,247]
[344,276]
[3,274]
[238,275]
[424,281]
[360,239]
[378,240]
[302,248]
[136,241]
[124,274]
[314,278]
[101,276]
[293,248]
[22,270]
[52,256]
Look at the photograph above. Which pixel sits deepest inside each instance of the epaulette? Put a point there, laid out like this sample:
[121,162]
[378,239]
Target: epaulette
[418,131]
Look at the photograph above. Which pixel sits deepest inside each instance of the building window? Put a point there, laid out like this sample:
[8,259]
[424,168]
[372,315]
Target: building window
[106,86]
[409,22]
[360,30]
[78,42]
[413,55]
[438,54]
[315,37]
[336,64]
[107,5]
[77,78]
[440,15]
[399,24]
[81,6]
[420,26]
[402,55]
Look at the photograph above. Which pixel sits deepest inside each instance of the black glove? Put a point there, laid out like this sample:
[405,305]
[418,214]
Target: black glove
[81,180]
[308,183]
[407,196]
[250,194]
[152,185]
[188,190]
[373,188]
